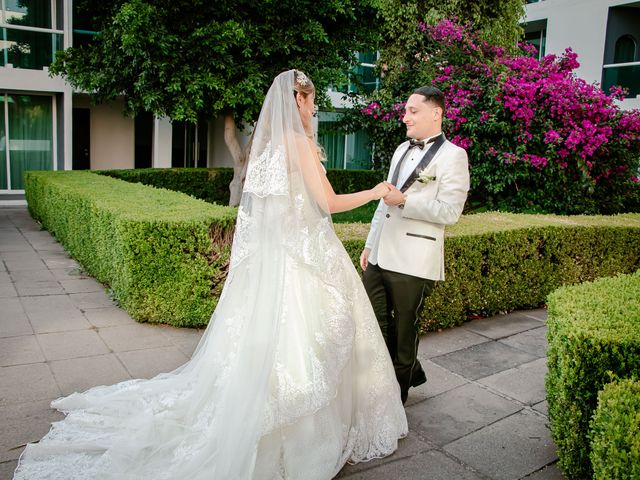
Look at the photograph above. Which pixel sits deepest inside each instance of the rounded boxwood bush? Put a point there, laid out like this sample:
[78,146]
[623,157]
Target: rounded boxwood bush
[594,333]
[615,432]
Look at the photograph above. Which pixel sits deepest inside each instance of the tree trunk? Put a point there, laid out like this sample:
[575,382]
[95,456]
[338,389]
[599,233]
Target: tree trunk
[239,159]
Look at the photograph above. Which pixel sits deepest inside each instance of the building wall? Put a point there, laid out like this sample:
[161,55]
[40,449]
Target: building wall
[581,25]
[112,135]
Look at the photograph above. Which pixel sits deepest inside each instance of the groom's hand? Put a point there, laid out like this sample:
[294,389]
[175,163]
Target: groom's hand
[394,197]
[364,258]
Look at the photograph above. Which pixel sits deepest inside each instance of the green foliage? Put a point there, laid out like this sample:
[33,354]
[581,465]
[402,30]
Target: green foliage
[615,432]
[594,335]
[498,262]
[185,58]
[208,184]
[163,254]
[212,184]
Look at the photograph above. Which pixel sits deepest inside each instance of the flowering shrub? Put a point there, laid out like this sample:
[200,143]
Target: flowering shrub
[539,139]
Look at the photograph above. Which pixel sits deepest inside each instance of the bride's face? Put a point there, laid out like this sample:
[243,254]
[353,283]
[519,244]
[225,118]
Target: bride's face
[307,108]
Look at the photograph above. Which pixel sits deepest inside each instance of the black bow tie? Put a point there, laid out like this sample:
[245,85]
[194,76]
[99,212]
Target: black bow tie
[421,143]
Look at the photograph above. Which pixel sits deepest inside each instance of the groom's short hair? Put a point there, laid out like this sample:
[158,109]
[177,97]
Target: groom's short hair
[431,94]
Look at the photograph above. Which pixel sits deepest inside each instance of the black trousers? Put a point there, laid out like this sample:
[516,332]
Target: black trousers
[397,299]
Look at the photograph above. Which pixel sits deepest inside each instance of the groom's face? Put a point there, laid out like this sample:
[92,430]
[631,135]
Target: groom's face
[423,119]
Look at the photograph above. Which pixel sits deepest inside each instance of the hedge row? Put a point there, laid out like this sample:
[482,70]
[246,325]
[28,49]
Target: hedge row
[594,337]
[162,253]
[499,262]
[495,262]
[212,184]
[615,432]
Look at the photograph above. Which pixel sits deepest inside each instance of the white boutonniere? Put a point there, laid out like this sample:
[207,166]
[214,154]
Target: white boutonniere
[424,178]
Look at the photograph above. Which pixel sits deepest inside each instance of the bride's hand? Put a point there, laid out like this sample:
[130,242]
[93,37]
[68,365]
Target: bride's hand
[379,191]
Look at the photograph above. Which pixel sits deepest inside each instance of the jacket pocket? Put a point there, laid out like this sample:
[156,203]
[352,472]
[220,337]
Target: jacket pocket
[427,237]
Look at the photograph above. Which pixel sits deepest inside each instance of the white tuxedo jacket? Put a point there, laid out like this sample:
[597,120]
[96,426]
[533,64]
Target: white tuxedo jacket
[410,240]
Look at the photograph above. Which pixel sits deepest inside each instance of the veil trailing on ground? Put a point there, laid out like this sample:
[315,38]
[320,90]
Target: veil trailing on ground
[286,378]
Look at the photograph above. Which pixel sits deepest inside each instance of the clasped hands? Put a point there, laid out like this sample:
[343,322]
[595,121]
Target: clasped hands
[389,193]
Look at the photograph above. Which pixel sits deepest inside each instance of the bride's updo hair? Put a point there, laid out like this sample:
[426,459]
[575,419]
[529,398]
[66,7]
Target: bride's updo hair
[302,84]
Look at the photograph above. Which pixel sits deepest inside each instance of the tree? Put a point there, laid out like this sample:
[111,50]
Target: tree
[495,21]
[539,138]
[185,58]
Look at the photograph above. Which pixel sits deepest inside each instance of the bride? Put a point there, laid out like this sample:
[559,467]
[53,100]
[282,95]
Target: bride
[291,378]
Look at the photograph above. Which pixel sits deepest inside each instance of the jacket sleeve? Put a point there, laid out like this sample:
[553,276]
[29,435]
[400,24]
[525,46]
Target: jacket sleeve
[453,187]
[375,221]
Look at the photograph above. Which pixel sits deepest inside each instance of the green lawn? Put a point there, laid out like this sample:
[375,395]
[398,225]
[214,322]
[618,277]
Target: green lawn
[362,214]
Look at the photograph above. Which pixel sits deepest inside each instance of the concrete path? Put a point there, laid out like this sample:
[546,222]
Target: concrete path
[481,415]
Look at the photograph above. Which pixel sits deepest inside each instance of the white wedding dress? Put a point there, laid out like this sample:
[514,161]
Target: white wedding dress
[291,378]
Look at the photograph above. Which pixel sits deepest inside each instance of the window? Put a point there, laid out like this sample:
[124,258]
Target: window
[537,38]
[28,37]
[348,151]
[362,78]
[625,50]
[26,135]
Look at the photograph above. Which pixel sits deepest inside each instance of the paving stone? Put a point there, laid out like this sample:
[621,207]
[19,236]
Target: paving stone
[60,261]
[84,285]
[108,317]
[72,344]
[10,246]
[19,351]
[439,380]
[24,423]
[525,382]
[13,319]
[7,290]
[53,313]
[431,465]
[7,469]
[68,273]
[37,288]
[80,374]
[502,326]
[542,407]
[446,341]
[186,345]
[23,260]
[532,341]
[26,383]
[5,278]
[27,276]
[483,360]
[458,412]
[407,447]
[150,362]
[538,313]
[86,301]
[133,337]
[492,450]
[550,472]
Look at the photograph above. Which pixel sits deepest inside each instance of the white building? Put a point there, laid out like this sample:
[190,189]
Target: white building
[604,33]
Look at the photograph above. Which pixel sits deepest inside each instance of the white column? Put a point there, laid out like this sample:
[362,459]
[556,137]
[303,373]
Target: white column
[161,156]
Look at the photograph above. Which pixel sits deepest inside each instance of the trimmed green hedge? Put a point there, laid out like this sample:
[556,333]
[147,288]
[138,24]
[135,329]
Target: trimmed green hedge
[212,184]
[208,184]
[162,253]
[495,262]
[615,432]
[499,262]
[594,335]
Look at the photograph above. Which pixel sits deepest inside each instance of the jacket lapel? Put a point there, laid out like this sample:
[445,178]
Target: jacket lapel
[426,159]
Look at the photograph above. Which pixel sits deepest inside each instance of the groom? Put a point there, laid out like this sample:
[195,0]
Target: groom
[404,253]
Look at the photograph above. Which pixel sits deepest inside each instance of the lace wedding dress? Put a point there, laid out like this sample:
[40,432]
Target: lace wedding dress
[291,378]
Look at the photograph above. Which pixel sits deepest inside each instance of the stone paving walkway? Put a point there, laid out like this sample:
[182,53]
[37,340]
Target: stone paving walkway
[481,415]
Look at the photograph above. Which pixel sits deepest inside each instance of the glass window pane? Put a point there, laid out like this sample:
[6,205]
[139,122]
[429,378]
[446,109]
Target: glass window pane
[3,148]
[25,49]
[331,140]
[30,135]
[359,151]
[625,50]
[32,13]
